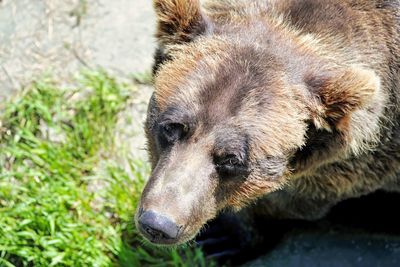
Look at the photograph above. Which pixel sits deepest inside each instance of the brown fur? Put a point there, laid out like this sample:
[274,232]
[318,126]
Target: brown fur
[305,95]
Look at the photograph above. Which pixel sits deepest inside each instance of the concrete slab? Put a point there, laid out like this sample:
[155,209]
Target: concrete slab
[62,36]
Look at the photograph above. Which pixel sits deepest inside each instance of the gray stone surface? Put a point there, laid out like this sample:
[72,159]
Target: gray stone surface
[62,36]
[333,249]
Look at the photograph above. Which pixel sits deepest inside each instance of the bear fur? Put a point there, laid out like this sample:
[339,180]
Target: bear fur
[279,109]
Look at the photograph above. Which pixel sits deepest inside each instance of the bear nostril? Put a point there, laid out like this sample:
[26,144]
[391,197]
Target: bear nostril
[158,227]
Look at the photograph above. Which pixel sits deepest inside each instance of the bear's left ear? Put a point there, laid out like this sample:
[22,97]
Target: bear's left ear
[338,93]
[179,21]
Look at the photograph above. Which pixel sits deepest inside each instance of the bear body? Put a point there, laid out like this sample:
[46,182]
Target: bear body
[279,109]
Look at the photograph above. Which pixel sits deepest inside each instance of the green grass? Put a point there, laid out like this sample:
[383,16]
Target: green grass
[63,200]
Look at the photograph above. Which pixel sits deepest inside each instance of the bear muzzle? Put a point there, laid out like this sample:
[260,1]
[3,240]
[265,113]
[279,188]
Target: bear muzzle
[157,228]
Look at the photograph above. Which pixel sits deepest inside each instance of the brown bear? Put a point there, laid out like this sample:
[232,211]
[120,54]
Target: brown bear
[279,109]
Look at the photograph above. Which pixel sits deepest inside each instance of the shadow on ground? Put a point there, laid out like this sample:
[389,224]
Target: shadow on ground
[360,232]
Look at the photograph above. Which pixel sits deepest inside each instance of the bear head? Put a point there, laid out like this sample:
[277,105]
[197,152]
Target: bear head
[240,108]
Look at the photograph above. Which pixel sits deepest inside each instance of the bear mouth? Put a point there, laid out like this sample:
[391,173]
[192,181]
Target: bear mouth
[155,237]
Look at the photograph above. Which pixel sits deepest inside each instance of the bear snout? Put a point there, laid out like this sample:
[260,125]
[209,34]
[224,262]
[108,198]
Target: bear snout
[157,228]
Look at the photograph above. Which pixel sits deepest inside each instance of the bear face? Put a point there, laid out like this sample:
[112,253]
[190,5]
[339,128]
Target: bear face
[206,136]
[230,114]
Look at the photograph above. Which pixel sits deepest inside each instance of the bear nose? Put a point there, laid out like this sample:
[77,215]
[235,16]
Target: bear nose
[157,227]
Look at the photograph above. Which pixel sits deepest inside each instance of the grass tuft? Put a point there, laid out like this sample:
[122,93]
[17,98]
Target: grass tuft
[57,206]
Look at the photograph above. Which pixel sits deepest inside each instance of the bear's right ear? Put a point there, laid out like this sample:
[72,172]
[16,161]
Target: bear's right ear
[179,21]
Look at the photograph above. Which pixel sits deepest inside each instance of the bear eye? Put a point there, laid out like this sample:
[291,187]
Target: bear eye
[229,165]
[172,132]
